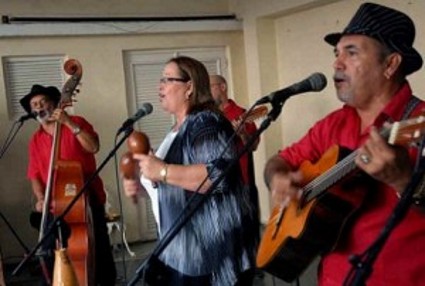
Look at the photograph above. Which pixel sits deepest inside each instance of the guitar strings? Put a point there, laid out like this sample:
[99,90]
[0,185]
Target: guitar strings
[330,177]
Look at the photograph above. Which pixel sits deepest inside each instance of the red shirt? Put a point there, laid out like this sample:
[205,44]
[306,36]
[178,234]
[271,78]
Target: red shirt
[402,259]
[70,149]
[232,112]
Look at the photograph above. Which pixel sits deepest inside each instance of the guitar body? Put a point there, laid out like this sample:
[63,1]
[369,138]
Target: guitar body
[309,228]
[68,182]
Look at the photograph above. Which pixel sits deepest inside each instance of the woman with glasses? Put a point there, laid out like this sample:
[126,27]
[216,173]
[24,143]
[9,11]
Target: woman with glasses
[217,245]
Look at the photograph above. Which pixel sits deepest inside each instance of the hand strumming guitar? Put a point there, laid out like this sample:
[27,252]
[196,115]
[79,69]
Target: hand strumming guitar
[283,183]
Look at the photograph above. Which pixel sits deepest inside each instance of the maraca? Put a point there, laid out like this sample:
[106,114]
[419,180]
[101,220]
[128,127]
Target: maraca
[137,143]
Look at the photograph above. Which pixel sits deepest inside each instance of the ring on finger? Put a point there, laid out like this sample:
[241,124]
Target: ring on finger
[365,158]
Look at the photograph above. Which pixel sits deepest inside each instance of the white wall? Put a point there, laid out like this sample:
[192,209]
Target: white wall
[102,99]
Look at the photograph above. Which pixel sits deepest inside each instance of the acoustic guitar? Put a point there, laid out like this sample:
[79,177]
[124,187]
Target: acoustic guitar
[294,236]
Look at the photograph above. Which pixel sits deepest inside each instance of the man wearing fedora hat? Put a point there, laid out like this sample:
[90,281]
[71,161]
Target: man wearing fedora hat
[79,142]
[373,56]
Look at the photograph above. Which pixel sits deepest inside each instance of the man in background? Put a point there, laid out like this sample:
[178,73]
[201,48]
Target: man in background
[234,114]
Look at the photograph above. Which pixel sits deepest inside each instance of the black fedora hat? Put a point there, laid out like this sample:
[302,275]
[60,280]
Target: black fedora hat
[390,27]
[50,91]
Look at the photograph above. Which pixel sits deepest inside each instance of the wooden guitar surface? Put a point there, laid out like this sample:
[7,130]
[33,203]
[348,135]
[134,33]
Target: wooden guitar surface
[295,236]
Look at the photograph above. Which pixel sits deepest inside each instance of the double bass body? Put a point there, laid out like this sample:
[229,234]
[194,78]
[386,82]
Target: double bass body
[67,183]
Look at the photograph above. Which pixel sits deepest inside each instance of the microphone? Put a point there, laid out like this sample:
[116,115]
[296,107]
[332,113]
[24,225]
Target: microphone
[315,82]
[143,111]
[27,116]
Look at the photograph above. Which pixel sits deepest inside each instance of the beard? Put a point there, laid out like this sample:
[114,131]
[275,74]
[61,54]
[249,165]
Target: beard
[344,97]
[43,116]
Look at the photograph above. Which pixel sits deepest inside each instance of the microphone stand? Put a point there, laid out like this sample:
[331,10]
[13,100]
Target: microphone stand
[9,139]
[362,264]
[21,243]
[191,207]
[57,221]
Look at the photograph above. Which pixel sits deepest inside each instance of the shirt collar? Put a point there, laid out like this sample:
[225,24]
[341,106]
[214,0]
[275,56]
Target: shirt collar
[395,109]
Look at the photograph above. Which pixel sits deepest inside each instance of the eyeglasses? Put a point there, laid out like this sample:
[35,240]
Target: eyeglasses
[165,80]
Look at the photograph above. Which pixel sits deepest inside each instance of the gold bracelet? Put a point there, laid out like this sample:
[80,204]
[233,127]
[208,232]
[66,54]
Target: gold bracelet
[163,173]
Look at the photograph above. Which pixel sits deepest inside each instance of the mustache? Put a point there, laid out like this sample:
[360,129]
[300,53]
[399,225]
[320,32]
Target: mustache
[340,76]
[42,113]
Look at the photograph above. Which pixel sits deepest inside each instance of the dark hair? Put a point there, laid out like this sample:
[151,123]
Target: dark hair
[194,71]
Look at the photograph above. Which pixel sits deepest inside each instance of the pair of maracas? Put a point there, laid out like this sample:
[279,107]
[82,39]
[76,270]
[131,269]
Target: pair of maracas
[137,143]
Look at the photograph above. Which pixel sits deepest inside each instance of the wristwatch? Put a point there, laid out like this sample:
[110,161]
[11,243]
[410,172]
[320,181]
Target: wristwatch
[163,173]
[76,130]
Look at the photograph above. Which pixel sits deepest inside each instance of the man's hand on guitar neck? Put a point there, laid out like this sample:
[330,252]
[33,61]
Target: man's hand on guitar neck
[385,163]
[283,183]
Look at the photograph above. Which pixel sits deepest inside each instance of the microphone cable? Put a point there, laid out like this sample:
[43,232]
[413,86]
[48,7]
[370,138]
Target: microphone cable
[121,220]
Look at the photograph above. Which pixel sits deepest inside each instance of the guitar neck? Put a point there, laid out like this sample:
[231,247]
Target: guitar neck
[400,133]
[330,177]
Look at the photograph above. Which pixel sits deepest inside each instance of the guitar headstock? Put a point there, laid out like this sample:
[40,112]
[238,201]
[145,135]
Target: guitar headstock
[256,113]
[69,89]
[407,132]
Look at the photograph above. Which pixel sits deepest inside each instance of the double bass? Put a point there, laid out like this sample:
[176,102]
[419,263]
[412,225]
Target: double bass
[74,260]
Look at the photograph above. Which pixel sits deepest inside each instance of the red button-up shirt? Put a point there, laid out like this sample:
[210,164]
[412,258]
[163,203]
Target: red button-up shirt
[402,259]
[233,112]
[70,149]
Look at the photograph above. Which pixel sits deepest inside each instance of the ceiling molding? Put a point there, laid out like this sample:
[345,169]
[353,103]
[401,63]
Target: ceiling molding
[116,28]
